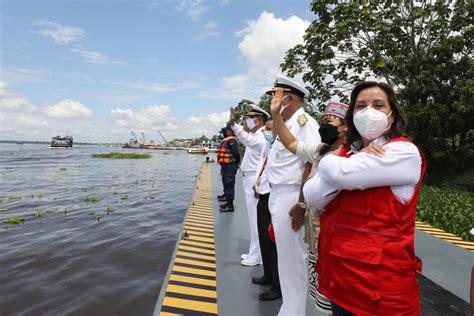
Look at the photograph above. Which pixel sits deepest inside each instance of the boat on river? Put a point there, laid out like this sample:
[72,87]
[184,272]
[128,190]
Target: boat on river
[198,150]
[62,141]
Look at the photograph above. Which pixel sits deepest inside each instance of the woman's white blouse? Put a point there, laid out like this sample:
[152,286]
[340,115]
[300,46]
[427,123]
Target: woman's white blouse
[399,168]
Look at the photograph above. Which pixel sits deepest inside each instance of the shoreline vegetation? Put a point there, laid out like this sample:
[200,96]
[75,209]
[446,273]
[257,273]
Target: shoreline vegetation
[116,155]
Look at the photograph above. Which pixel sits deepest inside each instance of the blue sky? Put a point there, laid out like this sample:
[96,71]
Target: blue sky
[98,69]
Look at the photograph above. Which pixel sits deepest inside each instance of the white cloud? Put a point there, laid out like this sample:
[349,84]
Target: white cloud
[263,47]
[145,118]
[93,56]
[12,101]
[25,74]
[61,34]
[208,125]
[67,109]
[159,87]
[193,8]
[210,30]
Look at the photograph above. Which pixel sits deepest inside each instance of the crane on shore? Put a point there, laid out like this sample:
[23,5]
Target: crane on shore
[163,138]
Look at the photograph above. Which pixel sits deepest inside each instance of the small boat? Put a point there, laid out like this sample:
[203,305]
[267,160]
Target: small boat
[198,150]
[19,143]
[62,141]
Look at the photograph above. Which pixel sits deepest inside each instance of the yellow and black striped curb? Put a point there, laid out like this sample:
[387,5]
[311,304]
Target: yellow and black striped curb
[192,287]
[458,241]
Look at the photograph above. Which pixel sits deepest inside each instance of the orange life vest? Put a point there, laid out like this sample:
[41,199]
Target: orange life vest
[224,155]
[367,261]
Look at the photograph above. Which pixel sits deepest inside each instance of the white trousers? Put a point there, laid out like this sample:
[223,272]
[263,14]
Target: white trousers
[292,251]
[251,201]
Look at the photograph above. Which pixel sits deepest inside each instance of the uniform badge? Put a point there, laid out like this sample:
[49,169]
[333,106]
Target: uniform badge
[302,120]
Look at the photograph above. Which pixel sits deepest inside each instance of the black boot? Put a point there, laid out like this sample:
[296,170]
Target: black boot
[228,207]
[222,196]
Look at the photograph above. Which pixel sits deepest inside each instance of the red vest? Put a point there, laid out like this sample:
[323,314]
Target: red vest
[367,261]
[224,155]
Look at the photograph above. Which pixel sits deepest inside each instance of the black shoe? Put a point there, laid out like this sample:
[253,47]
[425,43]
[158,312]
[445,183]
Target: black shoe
[228,207]
[270,295]
[222,196]
[261,281]
[222,199]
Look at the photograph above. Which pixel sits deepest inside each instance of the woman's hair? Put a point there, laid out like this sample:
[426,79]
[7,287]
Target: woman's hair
[399,124]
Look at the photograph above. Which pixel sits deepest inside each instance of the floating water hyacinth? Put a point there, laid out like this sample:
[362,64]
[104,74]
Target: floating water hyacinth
[115,155]
[91,199]
[14,220]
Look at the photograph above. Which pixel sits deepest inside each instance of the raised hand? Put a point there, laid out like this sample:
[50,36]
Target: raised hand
[232,116]
[374,149]
[275,106]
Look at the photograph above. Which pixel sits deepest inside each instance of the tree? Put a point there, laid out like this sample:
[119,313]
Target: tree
[241,110]
[422,48]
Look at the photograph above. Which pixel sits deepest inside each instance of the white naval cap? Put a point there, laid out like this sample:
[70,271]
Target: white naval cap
[292,86]
[256,110]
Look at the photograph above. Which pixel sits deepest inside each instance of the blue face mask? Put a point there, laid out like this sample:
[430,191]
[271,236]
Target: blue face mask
[268,136]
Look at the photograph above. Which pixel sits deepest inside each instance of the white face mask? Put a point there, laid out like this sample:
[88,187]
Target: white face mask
[283,107]
[250,123]
[268,136]
[371,123]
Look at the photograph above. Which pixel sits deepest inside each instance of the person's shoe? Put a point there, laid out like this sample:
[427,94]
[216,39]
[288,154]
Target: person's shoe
[270,295]
[249,262]
[221,196]
[261,281]
[228,207]
[244,256]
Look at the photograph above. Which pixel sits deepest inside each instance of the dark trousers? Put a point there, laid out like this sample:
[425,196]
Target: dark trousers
[267,247]
[339,311]
[228,172]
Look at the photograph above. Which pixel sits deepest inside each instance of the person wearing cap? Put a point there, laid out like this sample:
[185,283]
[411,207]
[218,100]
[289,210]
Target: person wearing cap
[254,141]
[285,175]
[228,157]
[332,133]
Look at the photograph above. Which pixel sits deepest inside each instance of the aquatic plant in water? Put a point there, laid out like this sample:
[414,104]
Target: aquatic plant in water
[124,197]
[3,209]
[115,155]
[91,199]
[66,210]
[14,220]
[99,216]
[91,213]
[87,189]
[37,214]
[110,210]
[14,198]
[62,169]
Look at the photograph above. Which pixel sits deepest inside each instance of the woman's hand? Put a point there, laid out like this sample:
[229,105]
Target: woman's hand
[232,116]
[275,106]
[374,149]
[335,151]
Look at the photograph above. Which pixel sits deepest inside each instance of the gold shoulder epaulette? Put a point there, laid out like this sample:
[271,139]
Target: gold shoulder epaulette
[302,120]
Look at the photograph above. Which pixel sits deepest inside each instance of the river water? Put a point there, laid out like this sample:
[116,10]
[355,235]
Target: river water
[77,257]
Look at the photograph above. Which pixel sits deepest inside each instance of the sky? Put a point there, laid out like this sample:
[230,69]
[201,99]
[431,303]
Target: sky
[99,69]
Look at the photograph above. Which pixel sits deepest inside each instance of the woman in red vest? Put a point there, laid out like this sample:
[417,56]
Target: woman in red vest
[367,263]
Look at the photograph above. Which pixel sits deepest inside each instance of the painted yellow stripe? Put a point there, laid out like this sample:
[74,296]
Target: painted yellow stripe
[196,263]
[203,221]
[190,291]
[201,211]
[199,228]
[200,237]
[445,235]
[466,243]
[191,280]
[195,255]
[200,215]
[193,233]
[451,238]
[467,247]
[195,243]
[183,247]
[193,271]
[168,314]
[206,208]
[200,223]
[190,305]
[431,229]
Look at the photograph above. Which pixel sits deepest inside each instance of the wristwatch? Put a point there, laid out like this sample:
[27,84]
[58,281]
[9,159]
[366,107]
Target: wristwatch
[301,204]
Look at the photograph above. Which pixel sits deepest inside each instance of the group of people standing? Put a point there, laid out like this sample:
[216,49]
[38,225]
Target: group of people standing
[331,206]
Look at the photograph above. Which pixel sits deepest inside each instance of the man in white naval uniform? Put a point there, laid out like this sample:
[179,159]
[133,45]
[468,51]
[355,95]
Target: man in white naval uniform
[285,173]
[254,141]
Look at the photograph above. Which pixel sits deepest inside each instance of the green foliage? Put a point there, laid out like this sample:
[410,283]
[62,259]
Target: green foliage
[122,156]
[448,209]
[91,199]
[124,197]
[99,216]
[91,213]
[3,209]
[422,48]
[37,214]
[14,198]
[66,210]
[89,188]
[14,220]
[110,210]
[241,110]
